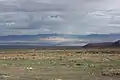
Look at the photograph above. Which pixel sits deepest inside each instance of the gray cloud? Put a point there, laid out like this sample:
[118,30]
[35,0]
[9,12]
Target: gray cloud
[59,16]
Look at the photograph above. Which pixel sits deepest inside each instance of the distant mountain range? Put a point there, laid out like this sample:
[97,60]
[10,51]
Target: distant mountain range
[35,37]
[57,39]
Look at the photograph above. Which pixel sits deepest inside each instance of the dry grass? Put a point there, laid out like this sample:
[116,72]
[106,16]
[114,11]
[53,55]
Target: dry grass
[94,64]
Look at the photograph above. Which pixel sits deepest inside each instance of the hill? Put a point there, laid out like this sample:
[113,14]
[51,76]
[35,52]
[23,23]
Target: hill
[103,45]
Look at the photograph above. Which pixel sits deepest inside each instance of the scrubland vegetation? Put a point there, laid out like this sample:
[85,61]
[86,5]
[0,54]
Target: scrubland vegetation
[84,64]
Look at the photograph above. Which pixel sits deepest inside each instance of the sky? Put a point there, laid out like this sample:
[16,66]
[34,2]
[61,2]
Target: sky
[31,17]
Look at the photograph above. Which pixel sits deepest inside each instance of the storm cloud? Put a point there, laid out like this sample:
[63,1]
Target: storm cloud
[26,17]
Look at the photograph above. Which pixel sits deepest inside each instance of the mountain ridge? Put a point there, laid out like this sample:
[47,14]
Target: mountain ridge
[58,39]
